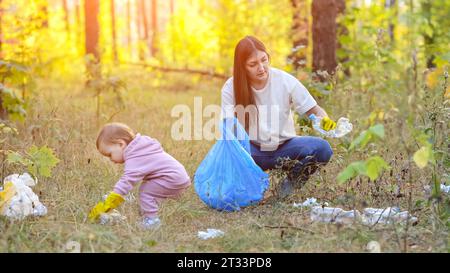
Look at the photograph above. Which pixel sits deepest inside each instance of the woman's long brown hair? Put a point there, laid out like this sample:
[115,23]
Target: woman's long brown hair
[242,90]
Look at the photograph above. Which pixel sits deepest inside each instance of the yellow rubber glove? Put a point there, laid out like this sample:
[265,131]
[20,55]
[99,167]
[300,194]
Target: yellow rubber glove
[111,202]
[96,211]
[328,124]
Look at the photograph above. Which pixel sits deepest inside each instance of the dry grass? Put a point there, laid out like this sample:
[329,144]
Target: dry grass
[63,117]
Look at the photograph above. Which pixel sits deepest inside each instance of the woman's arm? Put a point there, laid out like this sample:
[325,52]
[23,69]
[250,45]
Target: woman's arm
[326,123]
[318,111]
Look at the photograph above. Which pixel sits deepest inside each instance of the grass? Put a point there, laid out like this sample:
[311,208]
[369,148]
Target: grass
[63,116]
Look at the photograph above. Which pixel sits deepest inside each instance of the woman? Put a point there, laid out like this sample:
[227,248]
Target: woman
[261,96]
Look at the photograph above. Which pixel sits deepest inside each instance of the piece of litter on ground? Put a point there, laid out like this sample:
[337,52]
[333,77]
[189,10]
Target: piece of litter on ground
[373,247]
[334,215]
[445,188]
[370,216]
[210,233]
[17,199]
[310,202]
[39,210]
[25,178]
[112,218]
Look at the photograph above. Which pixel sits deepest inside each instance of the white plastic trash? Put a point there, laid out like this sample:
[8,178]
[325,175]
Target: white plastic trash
[310,202]
[373,247]
[370,216]
[334,215]
[445,188]
[111,218]
[210,233]
[373,216]
[19,199]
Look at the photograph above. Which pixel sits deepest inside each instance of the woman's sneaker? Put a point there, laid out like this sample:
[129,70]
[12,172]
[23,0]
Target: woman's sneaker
[150,223]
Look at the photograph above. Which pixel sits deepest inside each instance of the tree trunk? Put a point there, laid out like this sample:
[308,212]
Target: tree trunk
[44,17]
[66,17]
[92,27]
[154,48]
[129,28]
[428,37]
[77,22]
[299,33]
[172,34]
[129,23]
[2,110]
[142,22]
[172,7]
[324,36]
[341,30]
[113,32]
[391,4]
[93,66]
[145,21]
[1,35]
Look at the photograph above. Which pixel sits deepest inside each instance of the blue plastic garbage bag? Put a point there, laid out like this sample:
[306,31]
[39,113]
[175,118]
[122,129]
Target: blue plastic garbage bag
[228,177]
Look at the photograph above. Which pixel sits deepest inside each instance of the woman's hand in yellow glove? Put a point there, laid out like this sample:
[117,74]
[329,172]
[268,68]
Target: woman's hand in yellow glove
[327,124]
[112,201]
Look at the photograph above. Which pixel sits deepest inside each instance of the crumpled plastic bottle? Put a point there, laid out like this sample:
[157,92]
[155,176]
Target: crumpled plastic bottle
[343,127]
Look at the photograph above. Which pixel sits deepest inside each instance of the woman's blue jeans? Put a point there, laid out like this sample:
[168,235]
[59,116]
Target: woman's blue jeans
[311,152]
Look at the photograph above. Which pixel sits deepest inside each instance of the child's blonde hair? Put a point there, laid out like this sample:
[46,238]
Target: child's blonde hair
[111,132]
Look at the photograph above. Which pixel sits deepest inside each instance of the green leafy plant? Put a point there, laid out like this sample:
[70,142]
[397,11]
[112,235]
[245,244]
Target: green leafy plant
[373,133]
[12,104]
[432,139]
[18,75]
[373,166]
[38,161]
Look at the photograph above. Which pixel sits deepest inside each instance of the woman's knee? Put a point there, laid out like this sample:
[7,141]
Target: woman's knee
[323,151]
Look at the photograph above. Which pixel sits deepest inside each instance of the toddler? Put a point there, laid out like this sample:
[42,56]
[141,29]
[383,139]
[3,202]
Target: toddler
[144,160]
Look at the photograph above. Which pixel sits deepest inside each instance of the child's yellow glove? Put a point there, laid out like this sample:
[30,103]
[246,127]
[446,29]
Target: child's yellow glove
[327,124]
[111,202]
